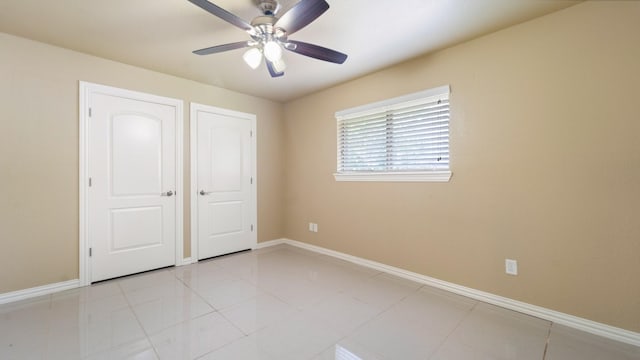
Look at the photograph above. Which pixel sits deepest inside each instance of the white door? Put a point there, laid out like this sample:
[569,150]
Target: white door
[225,181]
[131,214]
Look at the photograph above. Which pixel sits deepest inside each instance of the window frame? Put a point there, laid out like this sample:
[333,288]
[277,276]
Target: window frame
[384,106]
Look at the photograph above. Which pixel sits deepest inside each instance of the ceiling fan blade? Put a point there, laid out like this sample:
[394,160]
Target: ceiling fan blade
[272,70]
[316,52]
[301,15]
[220,48]
[223,14]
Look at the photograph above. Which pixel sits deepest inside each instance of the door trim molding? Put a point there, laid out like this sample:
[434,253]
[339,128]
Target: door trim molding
[193,127]
[86,89]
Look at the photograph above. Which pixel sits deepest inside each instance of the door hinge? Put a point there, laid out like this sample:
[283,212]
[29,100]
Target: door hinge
[251,227]
[90,182]
[90,252]
[89,112]
[251,133]
[251,181]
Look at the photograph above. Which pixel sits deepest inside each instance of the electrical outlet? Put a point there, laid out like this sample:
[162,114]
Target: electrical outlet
[511,266]
[315,227]
[311,227]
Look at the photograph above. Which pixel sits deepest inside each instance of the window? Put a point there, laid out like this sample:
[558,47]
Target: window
[401,139]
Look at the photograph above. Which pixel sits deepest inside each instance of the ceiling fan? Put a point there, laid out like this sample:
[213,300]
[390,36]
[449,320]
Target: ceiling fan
[270,34]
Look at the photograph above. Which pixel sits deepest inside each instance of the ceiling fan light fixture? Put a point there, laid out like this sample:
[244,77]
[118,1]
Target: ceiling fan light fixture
[270,33]
[279,65]
[253,58]
[272,51]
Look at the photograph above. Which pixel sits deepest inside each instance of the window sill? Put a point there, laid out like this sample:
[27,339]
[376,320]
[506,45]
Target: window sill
[431,176]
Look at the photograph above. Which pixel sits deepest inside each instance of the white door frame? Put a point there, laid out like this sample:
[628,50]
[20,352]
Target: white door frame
[193,126]
[86,89]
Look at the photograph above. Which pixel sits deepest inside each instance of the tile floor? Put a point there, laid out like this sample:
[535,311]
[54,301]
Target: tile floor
[281,303]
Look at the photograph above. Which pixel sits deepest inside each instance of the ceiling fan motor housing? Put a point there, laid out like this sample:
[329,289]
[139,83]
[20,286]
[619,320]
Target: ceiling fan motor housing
[264,29]
[268,7]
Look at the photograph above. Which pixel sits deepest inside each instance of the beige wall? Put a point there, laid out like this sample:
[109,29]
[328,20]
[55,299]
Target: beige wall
[545,154]
[39,153]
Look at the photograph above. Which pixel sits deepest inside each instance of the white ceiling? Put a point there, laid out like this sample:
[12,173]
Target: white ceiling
[160,35]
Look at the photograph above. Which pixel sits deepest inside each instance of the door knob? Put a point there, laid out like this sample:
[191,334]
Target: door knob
[202,192]
[168,193]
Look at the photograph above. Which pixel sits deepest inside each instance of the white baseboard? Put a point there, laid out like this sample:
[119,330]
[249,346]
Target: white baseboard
[54,288]
[38,291]
[264,244]
[575,322]
[72,284]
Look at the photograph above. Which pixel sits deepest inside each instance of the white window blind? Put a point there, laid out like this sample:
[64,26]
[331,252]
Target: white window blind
[406,135]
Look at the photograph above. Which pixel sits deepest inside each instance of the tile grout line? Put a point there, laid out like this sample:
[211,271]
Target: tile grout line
[144,331]
[382,311]
[455,328]
[244,335]
[221,347]
[215,310]
[546,344]
[196,293]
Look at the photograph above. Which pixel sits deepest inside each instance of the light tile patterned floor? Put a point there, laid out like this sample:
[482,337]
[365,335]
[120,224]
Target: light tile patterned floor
[281,303]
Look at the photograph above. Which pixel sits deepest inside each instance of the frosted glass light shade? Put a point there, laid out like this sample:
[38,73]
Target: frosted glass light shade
[253,58]
[272,51]
[279,65]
